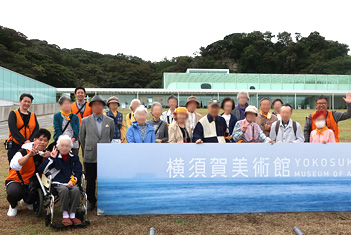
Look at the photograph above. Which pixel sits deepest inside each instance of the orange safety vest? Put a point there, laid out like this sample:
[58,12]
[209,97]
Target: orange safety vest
[27,171]
[87,111]
[26,131]
[331,124]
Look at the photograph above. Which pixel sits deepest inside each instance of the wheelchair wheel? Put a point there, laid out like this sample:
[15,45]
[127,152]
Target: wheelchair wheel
[47,219]
[39,203]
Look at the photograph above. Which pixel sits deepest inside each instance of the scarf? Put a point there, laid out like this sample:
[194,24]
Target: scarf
[66,115]
[242,111]
[320,131]
[268,116]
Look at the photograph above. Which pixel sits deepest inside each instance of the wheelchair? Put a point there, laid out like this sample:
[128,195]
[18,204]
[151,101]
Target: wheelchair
[46,198]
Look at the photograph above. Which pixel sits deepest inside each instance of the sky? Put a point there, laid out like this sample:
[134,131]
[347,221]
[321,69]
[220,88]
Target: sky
[155,29]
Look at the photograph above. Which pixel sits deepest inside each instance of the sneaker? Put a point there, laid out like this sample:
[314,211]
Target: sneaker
[12,211]
[29,206]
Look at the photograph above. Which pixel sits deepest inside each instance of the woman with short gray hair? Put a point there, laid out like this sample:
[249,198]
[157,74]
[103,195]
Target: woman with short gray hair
[243,98]
[140,131]
[161,127]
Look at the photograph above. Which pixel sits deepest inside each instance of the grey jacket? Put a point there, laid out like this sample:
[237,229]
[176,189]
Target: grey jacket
[162,129]
[89,137]
[338,116]
[236,113]
[287,134]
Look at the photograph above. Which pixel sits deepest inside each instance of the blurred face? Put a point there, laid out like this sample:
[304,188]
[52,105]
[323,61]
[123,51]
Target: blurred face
[182,117]
[41,142]
[285,113]
[322,104]
[80,95]
[25,103]
[320,122]
[97,108]
[172,103]
[141,117]
[228,107]
[277,106]
[243,100]
[64,147]
[113,106]
[265,106]
[192,106]
[66,106]
[250,117]
[135,105]
[213,110]
[157,111]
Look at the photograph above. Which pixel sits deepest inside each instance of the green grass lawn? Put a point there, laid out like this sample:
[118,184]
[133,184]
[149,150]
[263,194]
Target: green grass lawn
[258,223]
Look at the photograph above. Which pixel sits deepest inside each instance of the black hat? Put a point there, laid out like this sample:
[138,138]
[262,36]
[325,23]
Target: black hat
[96,98]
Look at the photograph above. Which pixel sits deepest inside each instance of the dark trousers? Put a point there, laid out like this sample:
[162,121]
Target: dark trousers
[12,151]
[91,174]
[15,192]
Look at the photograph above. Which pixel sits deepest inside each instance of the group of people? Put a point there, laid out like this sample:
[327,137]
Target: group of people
[83,124]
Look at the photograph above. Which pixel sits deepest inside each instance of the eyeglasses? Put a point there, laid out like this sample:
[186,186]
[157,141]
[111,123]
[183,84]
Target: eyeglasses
[321,103]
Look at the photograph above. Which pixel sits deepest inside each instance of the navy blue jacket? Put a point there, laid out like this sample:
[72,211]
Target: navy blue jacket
[58,119]
[221,130]
[232,123]
[60,170]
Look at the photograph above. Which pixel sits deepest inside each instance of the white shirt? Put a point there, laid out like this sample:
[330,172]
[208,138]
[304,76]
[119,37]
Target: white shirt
[192,120]
[227,118]
[167,116]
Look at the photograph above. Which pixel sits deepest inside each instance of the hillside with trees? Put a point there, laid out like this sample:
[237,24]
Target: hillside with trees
[254,52]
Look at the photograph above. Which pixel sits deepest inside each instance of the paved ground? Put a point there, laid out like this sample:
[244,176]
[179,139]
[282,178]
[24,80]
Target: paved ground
[44,121]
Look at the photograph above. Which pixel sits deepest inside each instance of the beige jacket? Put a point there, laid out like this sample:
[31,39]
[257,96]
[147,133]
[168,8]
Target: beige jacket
[175,135]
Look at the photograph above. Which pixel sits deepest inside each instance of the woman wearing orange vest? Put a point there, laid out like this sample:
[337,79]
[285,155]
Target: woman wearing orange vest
[23,167]
[332,118]
[81,107]
[22,124]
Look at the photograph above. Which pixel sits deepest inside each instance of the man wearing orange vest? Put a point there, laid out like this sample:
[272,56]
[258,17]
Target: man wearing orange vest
[333,117]
[81,107]
[22,124]
[23,167]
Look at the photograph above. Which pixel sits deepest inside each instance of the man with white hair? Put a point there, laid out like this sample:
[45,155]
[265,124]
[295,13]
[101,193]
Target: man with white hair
[66,171]
[243,98]
[134,104]
[141,131]
[286,130]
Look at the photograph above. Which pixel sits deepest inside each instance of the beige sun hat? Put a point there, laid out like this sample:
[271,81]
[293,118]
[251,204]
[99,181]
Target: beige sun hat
[251,109]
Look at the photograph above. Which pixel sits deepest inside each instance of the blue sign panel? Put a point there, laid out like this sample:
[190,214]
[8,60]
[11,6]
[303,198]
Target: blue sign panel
[223,178]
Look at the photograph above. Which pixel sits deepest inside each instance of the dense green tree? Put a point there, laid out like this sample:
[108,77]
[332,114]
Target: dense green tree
[255,52]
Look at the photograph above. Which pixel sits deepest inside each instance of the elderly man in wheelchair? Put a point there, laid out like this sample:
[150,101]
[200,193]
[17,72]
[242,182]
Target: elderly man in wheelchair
[64,171]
